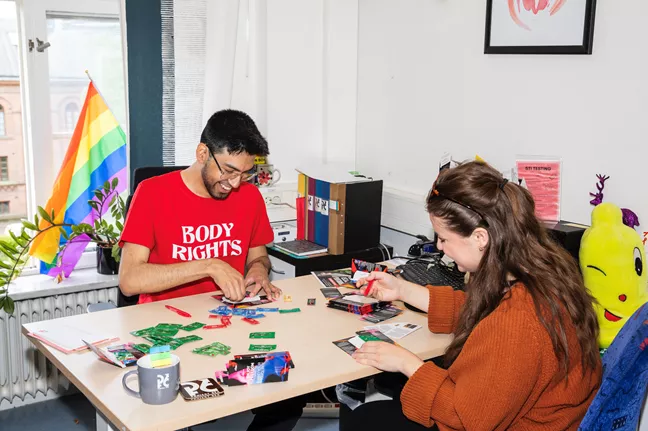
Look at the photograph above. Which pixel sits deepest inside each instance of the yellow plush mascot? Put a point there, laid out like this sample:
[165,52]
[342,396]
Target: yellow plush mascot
[612,260]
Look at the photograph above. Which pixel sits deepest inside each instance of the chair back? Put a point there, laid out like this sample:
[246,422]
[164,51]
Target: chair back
[619,403]
[139,175]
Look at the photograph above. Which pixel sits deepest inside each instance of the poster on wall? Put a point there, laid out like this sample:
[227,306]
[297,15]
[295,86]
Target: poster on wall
[539,26]
[542,178]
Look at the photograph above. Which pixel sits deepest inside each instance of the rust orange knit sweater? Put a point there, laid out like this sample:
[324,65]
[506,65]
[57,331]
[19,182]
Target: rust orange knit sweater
[506,376]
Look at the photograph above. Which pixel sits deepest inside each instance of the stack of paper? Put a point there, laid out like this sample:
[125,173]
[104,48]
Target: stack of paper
[67,337]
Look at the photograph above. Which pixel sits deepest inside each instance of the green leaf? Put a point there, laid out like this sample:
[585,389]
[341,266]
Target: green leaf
[2,301]
[3,291]
[44,215]
[75,229]
[116,252]
[36,220]
[94,205]
[99,195]
[24,235]
[9,305]
[64,233]
[106,186]
[21,242]
[9,247]
[97,225]
[14,237]
[85,227]
[30,225]
[119,225]
[53,215]
[6,251]
[5,265]
[115,181]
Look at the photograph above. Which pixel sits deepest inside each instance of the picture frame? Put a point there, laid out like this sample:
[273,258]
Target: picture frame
[539,27]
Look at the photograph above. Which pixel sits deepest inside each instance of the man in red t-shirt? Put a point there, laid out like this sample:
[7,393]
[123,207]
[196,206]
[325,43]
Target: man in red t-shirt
[203,228]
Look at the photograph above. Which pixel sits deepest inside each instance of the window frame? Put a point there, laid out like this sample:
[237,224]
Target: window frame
[4,160]
[36,98]
[3,121]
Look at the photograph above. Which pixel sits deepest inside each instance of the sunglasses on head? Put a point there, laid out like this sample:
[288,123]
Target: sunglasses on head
[435,192]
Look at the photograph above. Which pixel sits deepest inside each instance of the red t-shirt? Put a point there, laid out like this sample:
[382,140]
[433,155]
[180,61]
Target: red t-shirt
[178,225]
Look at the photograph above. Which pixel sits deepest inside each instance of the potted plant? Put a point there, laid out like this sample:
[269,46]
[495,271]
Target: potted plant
[14,250]
[104,234]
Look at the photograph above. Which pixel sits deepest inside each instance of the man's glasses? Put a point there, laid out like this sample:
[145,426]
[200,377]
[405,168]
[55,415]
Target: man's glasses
[436,192]
[230,174]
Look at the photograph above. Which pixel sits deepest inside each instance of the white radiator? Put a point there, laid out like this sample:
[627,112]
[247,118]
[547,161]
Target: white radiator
[26,376]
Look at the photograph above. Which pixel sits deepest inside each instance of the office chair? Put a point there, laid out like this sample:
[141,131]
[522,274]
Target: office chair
[621,400]
[139,175]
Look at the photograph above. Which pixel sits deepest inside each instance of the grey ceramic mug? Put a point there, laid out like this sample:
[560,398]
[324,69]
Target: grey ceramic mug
[156,385]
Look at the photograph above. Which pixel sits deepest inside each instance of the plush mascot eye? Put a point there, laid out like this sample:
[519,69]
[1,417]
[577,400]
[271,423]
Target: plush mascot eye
[638,263]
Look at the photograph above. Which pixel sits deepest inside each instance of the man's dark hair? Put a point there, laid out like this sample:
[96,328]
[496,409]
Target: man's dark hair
[235,132]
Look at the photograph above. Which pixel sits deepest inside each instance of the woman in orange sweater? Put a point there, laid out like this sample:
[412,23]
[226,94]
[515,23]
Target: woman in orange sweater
[525,353]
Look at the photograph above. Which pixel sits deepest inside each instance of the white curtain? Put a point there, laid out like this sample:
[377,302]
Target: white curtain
[219,63]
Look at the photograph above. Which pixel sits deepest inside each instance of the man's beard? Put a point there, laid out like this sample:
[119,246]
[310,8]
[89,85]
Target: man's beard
[211,186]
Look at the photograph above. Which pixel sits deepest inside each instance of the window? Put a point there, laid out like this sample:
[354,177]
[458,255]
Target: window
[2,122]
[4,169]
[71,116]
[4,207]
[80,35]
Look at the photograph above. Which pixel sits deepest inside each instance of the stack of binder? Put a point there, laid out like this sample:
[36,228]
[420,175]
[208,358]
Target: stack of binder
[340,214]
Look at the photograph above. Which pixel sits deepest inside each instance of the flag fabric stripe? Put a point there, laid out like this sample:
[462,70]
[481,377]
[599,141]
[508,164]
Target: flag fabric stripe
[111,142]
[109,167]
[74,251]
[121,190]
[96,153]
[45,246]
[94,131]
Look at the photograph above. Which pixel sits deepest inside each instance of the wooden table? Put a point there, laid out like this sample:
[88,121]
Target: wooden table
[307,335]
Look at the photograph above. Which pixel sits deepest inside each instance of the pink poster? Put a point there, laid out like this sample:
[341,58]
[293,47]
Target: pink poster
[542,178]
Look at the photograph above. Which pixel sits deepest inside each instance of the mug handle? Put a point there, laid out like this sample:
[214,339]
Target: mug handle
[276,176]
[129,390]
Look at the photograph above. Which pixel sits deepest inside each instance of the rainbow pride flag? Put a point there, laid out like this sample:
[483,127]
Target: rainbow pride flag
[96,154]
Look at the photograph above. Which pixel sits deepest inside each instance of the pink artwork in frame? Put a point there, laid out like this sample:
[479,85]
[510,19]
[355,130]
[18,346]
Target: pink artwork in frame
[539,26]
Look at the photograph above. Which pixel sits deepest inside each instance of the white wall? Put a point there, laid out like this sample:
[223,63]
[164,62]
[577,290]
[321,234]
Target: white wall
[311,82]
[425,87]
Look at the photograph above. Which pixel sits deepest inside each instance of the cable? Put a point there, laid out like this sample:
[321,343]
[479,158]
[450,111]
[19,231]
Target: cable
[284,204]
[387,250]
[325,397]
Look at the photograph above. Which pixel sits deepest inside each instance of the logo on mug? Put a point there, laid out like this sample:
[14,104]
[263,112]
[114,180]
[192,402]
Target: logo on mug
[163,381]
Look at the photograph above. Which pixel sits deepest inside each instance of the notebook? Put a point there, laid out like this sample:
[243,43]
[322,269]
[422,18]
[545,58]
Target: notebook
[300,247]
[68,338]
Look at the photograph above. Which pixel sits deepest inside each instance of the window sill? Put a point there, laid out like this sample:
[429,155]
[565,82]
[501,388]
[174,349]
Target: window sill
[81,280]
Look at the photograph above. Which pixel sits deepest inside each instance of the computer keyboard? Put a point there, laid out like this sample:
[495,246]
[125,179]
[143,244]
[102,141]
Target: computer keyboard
[432,273]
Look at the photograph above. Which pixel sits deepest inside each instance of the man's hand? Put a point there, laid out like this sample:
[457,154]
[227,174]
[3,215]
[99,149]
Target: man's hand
[228,279]
[257,279]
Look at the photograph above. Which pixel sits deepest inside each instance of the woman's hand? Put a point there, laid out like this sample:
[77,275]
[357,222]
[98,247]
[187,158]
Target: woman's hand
[382,286]
[388,357]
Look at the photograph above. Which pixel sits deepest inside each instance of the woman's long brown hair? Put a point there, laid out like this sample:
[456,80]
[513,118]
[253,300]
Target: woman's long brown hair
[473,195]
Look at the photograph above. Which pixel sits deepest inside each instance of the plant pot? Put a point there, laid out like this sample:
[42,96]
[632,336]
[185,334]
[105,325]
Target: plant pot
[106,264]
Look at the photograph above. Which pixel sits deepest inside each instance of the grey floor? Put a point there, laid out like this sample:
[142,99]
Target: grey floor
[74,412]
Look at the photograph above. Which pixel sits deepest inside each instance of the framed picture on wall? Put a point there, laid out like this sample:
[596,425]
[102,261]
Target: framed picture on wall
[539,26]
